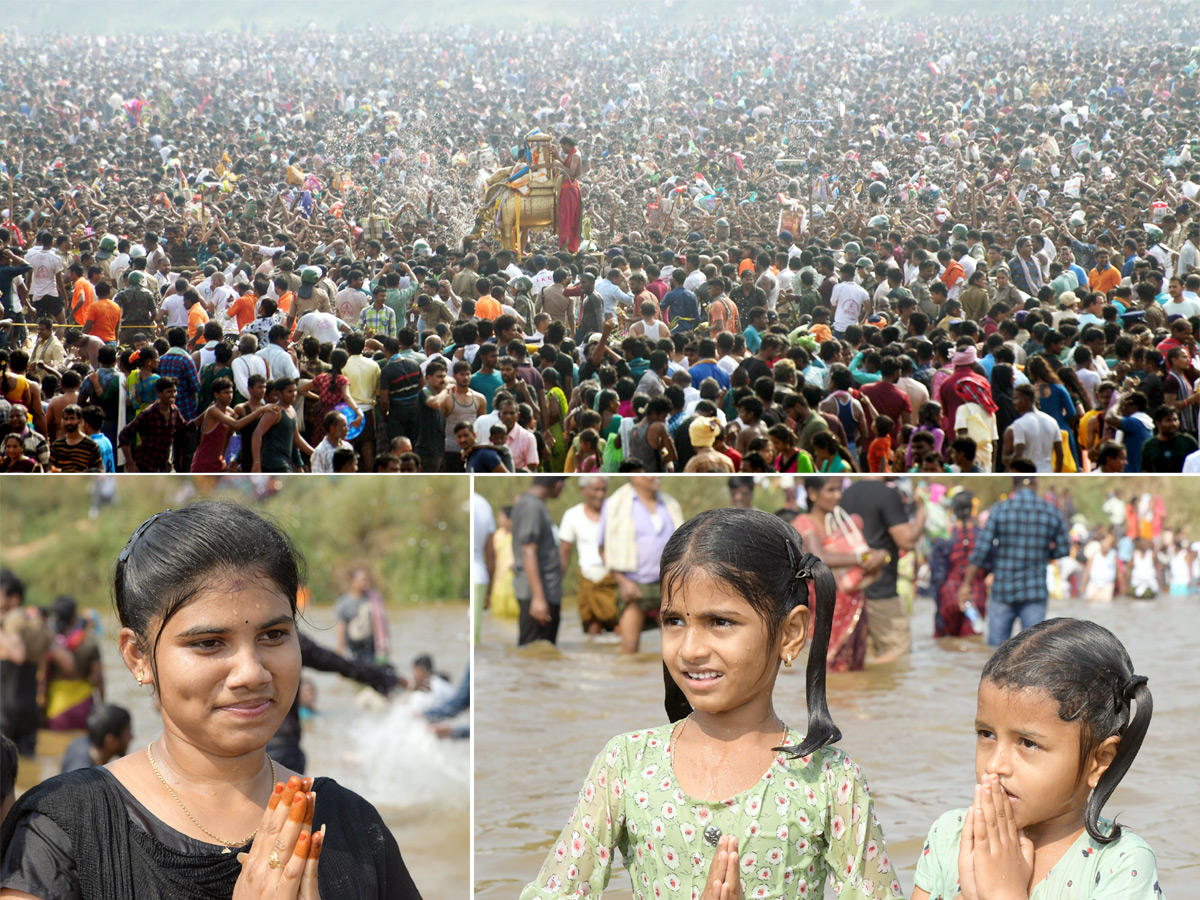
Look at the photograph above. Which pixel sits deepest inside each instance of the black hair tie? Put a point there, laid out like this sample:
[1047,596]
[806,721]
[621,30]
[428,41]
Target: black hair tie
[808,562]
[803,566]
[141,529]
[1132,683]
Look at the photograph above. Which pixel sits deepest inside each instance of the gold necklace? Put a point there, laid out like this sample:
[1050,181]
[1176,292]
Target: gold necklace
[187,813]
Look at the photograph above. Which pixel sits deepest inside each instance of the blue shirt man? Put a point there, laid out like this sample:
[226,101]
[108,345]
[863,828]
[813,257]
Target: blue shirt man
[679,306]
[1022,535]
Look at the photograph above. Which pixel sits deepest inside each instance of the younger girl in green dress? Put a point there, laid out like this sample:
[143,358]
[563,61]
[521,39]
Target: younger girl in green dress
[728,802]
[1059,720]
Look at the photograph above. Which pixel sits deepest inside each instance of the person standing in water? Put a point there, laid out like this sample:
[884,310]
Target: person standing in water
[727,790]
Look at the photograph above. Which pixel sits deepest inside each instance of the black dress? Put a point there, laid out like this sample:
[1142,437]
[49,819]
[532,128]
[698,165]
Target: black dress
[83,836]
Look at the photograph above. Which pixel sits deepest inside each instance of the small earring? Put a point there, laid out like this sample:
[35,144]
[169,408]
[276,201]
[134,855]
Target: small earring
[787,661]
[140,677]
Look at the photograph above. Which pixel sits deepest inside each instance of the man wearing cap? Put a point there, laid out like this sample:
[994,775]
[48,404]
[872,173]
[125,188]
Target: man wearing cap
[308,297]
[1158,250]
[433,312]
[926,272]
[137,303]
[105,254]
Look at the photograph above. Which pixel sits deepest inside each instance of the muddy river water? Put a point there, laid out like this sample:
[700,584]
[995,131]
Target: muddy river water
[542,714]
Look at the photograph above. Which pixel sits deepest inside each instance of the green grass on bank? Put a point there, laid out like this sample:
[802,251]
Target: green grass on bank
[411,532]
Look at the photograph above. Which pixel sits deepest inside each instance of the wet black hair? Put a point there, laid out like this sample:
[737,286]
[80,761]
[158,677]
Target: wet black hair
[8,767]
[175,554]
[1088,673]
[761,558]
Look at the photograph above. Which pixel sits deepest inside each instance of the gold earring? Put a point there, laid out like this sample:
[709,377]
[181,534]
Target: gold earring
[140,677]
[787,661]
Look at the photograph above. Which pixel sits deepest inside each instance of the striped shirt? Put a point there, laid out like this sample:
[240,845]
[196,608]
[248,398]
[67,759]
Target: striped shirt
[81,457]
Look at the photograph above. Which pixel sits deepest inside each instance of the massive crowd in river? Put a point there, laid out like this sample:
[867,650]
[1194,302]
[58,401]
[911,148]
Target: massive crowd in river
[945,244]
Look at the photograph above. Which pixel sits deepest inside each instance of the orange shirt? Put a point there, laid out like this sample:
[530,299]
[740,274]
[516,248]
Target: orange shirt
[879,454]
[745,264]
[1104,281]
[197,319]
[244,309]
[488,308]
[81,298]
[722,316]
[106,319]
[285,302]
[954,273]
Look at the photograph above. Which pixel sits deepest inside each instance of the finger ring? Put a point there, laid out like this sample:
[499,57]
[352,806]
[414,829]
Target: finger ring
[273,860]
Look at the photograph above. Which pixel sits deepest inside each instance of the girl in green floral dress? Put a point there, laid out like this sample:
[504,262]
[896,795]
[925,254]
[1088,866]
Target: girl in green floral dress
[728,802]
[1059,719]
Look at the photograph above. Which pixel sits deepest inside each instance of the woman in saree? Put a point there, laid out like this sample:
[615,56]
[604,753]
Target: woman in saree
[570,202]
[948,563]
[833,536]
[556,403]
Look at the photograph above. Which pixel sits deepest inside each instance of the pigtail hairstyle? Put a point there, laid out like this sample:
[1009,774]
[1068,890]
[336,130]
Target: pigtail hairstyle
[1088,673]
[762,559]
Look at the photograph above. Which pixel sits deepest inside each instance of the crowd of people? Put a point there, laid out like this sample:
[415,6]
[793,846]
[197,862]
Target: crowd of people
[54,678]
[984,568]
[950,246]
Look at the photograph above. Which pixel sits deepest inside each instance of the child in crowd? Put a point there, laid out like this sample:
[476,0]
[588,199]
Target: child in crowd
[879,454]
[588,459]
[1060,717]
[728,801]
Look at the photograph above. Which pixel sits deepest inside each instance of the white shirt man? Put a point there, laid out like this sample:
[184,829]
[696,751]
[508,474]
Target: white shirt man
[221,296]
[1189,257]
[325,327]
[243,367]
[613,296]
[351,301]
[1038,433]
[583,532]
[279,362]
[542,280]
[322,458]
[46,266]
[847,299]
[177,314]
[968,263]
